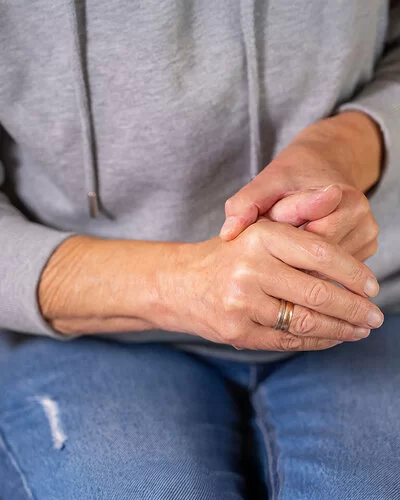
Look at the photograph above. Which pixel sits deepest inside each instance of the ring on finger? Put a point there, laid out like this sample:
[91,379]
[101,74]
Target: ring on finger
[287,319]
[285,315]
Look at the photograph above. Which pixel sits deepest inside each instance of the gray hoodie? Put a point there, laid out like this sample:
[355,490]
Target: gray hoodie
[152,113]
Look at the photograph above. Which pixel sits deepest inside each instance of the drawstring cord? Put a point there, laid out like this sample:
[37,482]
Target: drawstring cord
[91,181]
[247,17]
[248,22]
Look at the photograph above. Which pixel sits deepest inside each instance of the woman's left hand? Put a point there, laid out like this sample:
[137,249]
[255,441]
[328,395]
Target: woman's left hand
[344,150]
[338,213]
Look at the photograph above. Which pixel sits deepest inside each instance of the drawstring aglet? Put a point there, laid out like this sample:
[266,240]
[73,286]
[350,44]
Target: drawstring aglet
[93,204]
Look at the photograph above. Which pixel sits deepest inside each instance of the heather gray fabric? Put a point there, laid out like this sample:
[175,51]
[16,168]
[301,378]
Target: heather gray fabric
[163,109]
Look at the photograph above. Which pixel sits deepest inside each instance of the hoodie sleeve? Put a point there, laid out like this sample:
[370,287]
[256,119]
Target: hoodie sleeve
[380,99]
[25,248]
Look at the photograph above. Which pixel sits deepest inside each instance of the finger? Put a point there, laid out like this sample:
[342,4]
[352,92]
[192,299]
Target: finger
[362,236]
[306,323]
[264,338]
[253,200]
[367,252]
[302,250]
[321,296]
[335,226]
[299,208]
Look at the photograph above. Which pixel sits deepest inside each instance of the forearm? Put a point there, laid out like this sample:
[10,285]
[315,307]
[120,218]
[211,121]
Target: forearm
[365,143]
[352,142]
[92,285]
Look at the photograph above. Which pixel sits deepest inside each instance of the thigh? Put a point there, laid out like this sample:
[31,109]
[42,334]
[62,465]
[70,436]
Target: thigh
[97,419]
[328,422]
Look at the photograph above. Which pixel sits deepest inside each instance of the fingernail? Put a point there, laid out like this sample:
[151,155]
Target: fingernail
[228,227]
[361,333]
[375,318]
[371,287]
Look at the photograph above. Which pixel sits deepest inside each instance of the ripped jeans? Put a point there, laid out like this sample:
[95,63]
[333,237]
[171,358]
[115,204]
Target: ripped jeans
[94,419]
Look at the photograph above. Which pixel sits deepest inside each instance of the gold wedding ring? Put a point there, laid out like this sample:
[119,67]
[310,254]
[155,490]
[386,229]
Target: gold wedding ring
[287,319]
[285,316]
[282,310]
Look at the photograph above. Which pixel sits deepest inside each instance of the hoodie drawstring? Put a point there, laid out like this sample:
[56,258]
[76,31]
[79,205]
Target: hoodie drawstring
[248,22]
[81,88]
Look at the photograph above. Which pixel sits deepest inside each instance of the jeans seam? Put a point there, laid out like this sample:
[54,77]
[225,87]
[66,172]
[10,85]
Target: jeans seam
[270,445]
[4,445]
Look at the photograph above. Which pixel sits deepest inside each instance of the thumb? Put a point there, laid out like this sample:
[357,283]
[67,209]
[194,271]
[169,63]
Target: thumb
[253,200]
[299,208]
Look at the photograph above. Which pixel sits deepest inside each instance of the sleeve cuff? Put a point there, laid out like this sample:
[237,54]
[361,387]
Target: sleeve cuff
[24,251]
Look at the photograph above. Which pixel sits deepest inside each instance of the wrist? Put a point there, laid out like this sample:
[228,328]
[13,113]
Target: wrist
[348,148]
[90,279]
[362,142]
[180,284]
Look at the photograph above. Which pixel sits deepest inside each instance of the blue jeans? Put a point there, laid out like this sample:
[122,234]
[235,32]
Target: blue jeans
[93,419]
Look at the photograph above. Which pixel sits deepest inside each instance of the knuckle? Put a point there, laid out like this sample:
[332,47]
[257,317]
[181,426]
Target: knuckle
[254,237]
[321,251]
[234,298]
[357,274]
[240,203]
[342,331]
[330,229]
[369,251]
[311,344]
[363,205]
[240,274]
[374,229]
[289,342]
[232,303]
[230,205]
[318,294]
[305,322]
[354,310]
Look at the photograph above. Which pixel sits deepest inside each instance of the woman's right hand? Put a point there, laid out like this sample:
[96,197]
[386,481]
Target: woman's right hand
[228,292]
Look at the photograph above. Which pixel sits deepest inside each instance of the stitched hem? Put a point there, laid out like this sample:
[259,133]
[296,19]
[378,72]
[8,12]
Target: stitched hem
[14,463]
[267,431]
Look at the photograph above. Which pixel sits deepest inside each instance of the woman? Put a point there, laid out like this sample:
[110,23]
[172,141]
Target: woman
[125,128]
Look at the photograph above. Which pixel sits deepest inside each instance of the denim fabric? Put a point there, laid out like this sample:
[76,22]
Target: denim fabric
[94,419]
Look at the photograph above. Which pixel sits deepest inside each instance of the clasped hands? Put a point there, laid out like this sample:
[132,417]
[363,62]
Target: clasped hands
[317,182]
[295,232]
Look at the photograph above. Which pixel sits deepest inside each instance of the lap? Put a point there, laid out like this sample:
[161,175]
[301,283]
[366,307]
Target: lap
[329,421]
[96,419]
